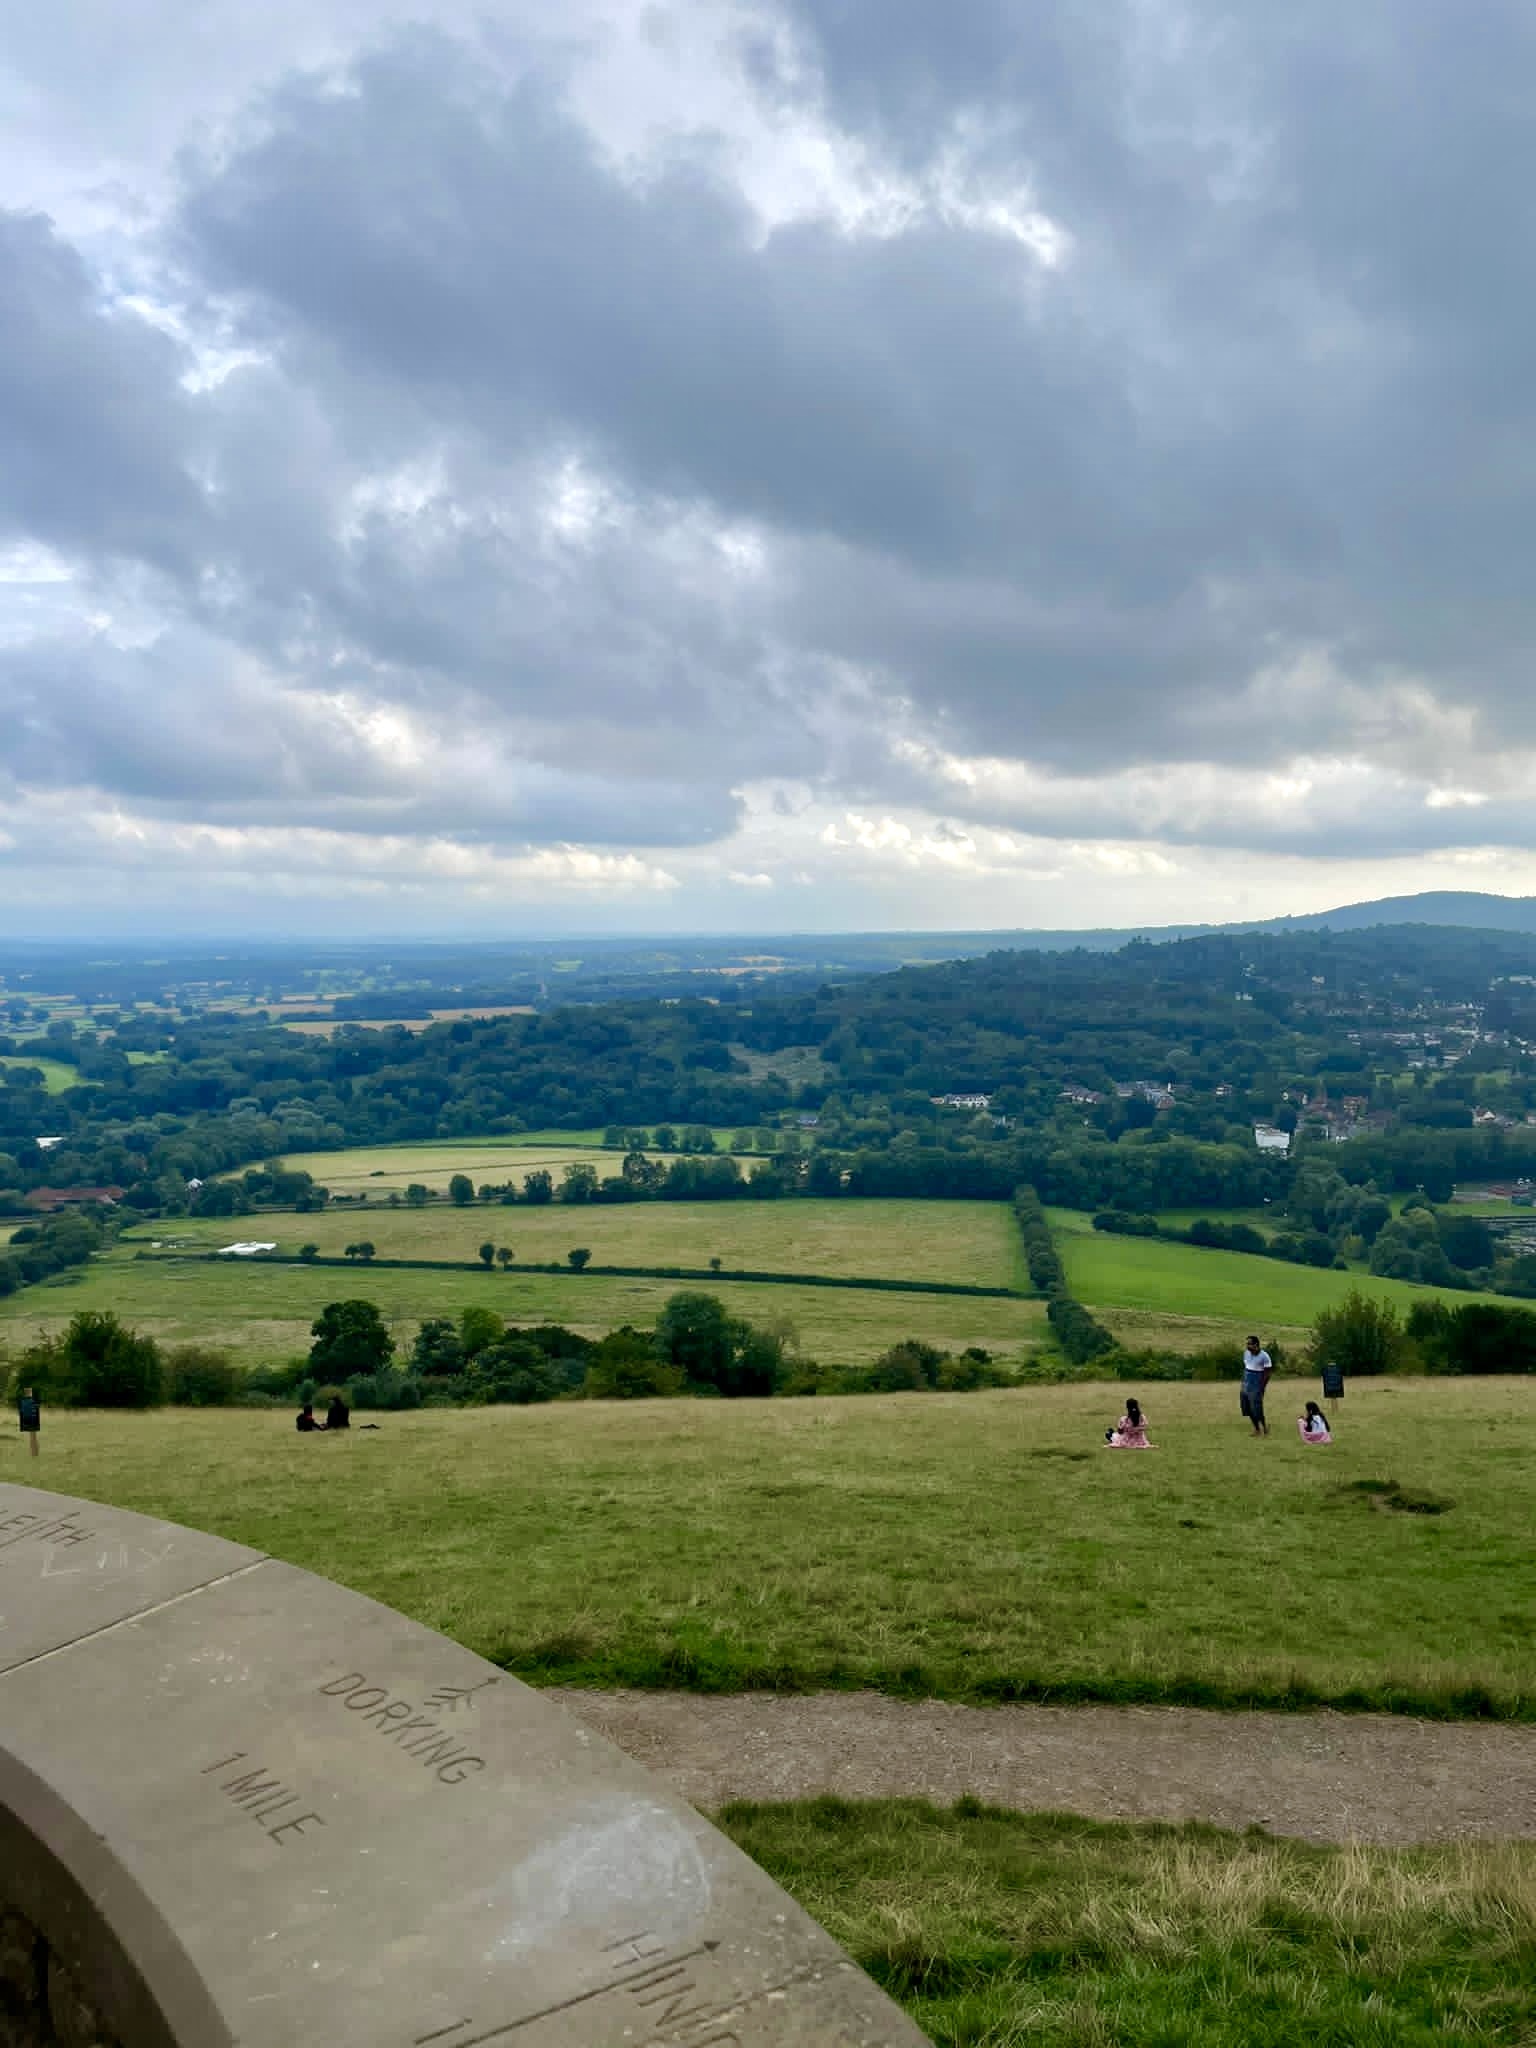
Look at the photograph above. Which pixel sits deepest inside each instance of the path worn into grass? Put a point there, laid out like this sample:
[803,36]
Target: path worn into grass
[1322,1777]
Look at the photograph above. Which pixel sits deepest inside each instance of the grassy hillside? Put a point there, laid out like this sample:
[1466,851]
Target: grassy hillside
[1146,1285]
[979,1546]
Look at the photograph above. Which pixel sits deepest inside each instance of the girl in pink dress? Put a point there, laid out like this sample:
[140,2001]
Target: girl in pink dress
[1131,1434]
[1314,1426]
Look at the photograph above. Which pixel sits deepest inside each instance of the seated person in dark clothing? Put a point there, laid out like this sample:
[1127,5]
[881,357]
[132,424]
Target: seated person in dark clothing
[338,1415]
[305,1419]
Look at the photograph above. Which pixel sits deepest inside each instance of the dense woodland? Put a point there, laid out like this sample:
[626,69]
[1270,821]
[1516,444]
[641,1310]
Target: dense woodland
[1175,1051]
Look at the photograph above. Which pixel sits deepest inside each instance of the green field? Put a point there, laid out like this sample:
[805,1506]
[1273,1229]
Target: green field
[973,1242]
[1012,1929]
[983,1546]
[57,1076]
[262,1313]
[376,1169]
[1268,1220]
[1147,1288]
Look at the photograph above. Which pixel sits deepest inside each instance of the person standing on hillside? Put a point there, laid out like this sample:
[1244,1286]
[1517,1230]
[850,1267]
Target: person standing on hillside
[30,1412]
[1257,1367]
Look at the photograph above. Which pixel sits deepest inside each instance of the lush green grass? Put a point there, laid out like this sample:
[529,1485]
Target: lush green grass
[263,1313]
[1268,1220]
[1010,1929]
[976,1546]
[57,1075]
[973,1242]
[1234,1290]
[376,1169]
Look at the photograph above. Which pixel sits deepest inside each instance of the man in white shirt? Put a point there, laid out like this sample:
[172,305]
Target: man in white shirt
[1257,1367]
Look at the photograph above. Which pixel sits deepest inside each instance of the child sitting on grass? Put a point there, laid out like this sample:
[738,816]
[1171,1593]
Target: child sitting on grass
[1131,1433]
[1314,1426]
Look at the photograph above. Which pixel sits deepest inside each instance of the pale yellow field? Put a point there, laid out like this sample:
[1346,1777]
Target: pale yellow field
[975,1243]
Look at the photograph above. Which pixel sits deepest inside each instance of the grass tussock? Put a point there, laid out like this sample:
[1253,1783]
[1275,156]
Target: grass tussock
[997,1928]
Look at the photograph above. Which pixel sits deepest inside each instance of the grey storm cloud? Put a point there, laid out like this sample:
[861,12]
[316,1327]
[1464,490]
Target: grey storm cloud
[95,436]
[1263,409]
[1249,415]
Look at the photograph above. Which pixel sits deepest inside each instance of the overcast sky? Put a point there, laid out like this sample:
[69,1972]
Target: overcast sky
[700,466]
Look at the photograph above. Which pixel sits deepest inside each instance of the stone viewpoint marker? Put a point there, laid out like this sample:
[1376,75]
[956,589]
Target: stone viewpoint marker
[239,1804]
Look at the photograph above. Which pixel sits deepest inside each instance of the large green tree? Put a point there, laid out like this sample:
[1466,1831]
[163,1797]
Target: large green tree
[717,1350]
[350,1338]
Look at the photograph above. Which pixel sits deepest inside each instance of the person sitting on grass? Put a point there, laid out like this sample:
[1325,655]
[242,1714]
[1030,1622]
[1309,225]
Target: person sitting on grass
[1131,1432]
[1314,1426]
[338,1415]
[305,1419]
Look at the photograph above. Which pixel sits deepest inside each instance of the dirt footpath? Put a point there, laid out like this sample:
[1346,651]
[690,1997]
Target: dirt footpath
[1323,1777]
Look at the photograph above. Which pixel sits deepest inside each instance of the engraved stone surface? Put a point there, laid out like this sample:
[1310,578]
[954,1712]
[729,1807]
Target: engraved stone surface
[307,1819]
[69,1568]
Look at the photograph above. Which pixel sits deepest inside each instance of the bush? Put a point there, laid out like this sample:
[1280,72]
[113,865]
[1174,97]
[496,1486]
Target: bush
[626,1366]
[512,1371]
[1228,1237]
[803,1376]
[1149,1365]
[1225,1361]
[1476,1338]
[390,1389]
[1122,1224]
[908,1367]
[276,1382]
[42,1366]
[1361,1336]
[969,1373]
[112,1366]
[1079,1335]
[198,1377]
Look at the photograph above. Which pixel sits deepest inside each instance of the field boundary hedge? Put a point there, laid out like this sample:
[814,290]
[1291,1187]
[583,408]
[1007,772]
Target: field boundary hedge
[1081,1338]
[566,1271]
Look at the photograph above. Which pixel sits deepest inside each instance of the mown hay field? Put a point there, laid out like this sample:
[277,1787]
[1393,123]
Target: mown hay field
[377,1170]
[976,1243]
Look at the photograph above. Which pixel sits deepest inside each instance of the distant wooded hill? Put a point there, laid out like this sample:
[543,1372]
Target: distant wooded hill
[1464,908]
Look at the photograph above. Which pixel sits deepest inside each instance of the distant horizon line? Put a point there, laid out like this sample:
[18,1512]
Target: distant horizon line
[174,942]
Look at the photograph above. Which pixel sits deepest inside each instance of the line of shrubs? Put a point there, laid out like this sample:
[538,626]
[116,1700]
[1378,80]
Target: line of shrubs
[1311,1248]
[696,1348]
[1081,1338]
[1366,1337]
[100,1363]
